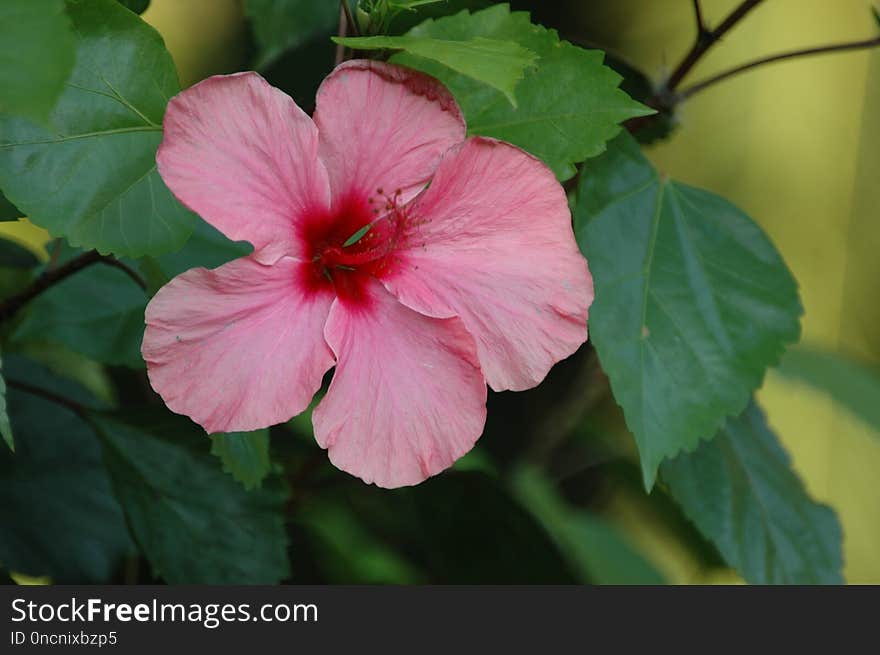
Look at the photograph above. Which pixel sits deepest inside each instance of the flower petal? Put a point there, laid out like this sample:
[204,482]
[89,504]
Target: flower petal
[407,398]
[383,126]
[491,241]
[242,155]
[239,347]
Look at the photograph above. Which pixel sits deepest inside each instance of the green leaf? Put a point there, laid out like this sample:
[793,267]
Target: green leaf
[692,304]
[8,211]
[58,516]
[498,64]
[853,384]
[206,247]
[36,56]
[740,491]
[245,455]
[568,105]
[194,523]
[593,546]
[92,177]
[12,255]
[5,427]
[98,312]
[876,13]
[137,6]
[281,25]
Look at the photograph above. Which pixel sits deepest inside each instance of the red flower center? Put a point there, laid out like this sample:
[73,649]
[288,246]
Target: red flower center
[356,239]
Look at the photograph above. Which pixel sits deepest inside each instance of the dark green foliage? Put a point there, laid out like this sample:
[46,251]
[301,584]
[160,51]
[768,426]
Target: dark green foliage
[137,6]
[193,522]
[245,455]
[99,312]
[281,25]
[740,491]
[58,515]
[8,211]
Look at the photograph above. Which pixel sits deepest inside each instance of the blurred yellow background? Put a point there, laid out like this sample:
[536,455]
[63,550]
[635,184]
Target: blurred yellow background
[794,144]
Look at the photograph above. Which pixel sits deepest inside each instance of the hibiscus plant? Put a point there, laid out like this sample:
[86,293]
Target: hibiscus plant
[412,316]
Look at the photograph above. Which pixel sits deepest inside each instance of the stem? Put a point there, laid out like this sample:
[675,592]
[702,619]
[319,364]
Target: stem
[73,406]
[586,389]
[346,23]
[794,54]
[125,268]
[55,253]
[131,573]
[50,277]
[706,39]
[698,16]
[352,23]
[341,32]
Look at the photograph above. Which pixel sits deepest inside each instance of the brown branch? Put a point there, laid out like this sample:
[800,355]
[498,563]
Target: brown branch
[50,277]
[346,24]
[352,23]
[125,268]
[341,32]
[587,388]
[698,17]
[55,253]
[664,98]
[73,406]
[794,54]
[705,40]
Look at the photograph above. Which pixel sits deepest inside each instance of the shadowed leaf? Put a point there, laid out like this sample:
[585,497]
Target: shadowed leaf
[99,312]
[741,492]
[58,514]
[281,25]
[137,6]
[194,523]
[245,455]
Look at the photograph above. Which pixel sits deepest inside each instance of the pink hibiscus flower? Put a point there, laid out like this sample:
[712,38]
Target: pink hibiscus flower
[420,263]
